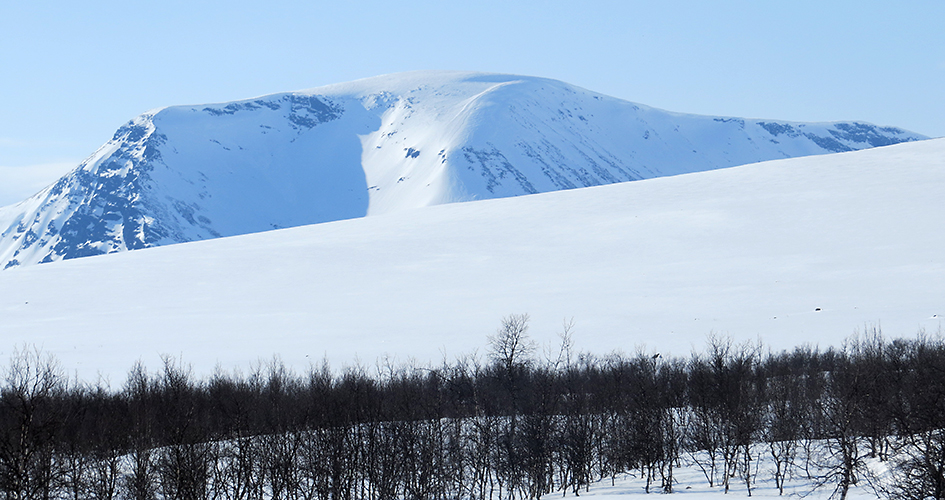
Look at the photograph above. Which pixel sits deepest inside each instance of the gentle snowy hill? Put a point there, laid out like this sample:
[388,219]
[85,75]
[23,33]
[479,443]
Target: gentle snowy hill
[800,250]
[374,146]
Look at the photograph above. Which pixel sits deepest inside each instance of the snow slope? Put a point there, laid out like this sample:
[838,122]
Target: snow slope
[799,250]
[376,146]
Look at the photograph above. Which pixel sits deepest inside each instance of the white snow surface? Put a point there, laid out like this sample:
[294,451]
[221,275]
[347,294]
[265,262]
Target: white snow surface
[690,481]
[805,250]
[377,146]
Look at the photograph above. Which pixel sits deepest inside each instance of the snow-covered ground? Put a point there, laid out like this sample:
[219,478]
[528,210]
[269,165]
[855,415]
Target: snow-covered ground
[789,251]
[690,482]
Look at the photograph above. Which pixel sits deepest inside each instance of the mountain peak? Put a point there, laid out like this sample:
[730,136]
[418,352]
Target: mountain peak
[377,145]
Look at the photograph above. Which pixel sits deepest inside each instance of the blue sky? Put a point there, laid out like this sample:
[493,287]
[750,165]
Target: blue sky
[73,72]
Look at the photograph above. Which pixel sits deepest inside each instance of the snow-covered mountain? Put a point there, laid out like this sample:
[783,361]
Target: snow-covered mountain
[789,251]
[374,146]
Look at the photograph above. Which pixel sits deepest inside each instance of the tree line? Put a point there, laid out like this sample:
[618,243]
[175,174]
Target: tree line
[511,426]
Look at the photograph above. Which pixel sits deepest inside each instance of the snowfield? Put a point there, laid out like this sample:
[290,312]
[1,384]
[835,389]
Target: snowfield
[804,250]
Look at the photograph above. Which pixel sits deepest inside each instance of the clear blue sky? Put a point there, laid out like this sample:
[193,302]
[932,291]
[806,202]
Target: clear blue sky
[73,72]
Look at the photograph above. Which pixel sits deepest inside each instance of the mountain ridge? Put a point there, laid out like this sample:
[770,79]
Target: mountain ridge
[377,145]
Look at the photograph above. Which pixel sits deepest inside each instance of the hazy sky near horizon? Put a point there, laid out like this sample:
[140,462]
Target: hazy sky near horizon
[72,73]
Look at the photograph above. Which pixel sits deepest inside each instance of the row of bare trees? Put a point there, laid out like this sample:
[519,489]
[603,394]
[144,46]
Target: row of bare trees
[512,426]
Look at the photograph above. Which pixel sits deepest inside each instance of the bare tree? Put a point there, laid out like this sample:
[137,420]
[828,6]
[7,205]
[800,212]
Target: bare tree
[918,468]
[510,346]
[29,421]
